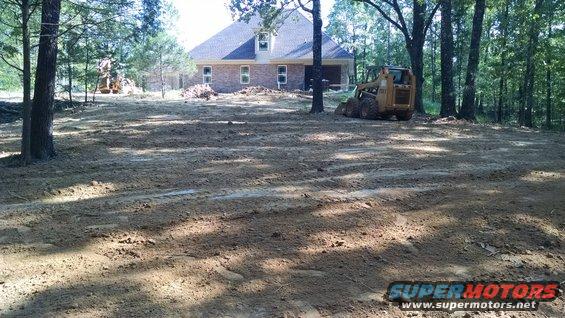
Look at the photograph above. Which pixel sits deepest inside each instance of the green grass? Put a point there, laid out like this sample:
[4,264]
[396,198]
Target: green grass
[431,108]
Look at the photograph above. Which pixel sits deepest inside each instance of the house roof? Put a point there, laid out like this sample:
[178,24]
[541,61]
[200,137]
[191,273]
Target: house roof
[293,41]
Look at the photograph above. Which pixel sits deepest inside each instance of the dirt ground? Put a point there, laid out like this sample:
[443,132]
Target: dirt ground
[247,206]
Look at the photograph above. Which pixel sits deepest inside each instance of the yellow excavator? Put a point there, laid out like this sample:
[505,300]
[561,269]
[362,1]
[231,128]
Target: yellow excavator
[387,91]
[107,83]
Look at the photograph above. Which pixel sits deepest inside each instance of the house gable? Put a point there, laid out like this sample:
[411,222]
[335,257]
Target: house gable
[291,41]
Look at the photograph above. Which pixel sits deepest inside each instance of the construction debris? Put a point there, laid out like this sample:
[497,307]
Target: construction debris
[254,90]
[128,87]
[114,83]
[107,83]
[449,120]
[199,91]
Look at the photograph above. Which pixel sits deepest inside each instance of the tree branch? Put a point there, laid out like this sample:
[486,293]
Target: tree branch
[10,64]
[303,6]
[401,26]
[431,17]
[396,8]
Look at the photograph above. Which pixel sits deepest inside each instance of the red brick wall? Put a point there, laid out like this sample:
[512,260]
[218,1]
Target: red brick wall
[225,77]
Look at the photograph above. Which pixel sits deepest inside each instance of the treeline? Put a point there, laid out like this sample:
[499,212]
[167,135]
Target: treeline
[48,45]
[505,58]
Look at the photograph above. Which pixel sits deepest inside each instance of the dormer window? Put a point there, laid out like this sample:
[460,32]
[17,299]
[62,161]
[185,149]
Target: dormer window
[263,40]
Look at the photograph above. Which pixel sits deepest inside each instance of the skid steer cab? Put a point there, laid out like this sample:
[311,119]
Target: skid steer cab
[387,91]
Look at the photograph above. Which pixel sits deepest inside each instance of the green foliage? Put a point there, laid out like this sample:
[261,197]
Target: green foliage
[11,50]
[149,17]
[432,107]
[360,29]
[365,32]
[9,81]
[161,52]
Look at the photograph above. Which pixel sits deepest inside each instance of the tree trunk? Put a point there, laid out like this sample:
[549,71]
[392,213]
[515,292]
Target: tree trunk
[548,83]
[26,126]
[415,48]
[501,84]
[364,54]
[354,41]
[459,54]
[95,88]
[467,105]
[388,43]
[447,89]
[433,62]
[530,65]
[548,95]
[416,52]
[318,94]
[521,105]
[87,60]
[162,77]
[414,40]
[355,66]
[479,104]
[70,75]
[42,108]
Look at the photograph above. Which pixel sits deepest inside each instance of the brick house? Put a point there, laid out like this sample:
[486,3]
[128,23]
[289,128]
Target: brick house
[245,55]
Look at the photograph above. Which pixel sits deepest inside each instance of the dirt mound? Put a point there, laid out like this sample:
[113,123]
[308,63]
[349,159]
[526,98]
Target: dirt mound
[10,112]
[199,91]
[252,90]
[450,120]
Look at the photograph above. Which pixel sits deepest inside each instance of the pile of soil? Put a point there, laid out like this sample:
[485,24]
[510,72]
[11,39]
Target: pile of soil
[450,120]
[253,90]
[9,112]
[199,91]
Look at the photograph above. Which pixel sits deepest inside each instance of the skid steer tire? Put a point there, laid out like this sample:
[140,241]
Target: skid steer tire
[340,110]
[352,108]
[385,117]
[368,108]
[405,116]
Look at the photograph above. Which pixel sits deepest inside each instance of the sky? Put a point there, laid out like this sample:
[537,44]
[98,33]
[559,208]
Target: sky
[200,19]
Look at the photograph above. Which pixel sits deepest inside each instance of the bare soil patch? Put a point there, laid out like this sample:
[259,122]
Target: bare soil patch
[247,206]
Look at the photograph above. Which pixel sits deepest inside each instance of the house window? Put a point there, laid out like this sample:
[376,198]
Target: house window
[281,74]
[263,41]
[207,74]
[244,74]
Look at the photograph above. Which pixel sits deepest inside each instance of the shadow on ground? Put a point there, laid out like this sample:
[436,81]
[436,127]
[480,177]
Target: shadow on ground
[250,207]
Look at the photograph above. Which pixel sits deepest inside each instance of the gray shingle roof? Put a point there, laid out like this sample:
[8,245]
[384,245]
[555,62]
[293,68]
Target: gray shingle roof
[293,41]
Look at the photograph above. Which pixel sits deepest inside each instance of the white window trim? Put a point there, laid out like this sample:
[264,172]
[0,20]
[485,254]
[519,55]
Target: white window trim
[248,74]
[266,41]
[204,76]
[285,74]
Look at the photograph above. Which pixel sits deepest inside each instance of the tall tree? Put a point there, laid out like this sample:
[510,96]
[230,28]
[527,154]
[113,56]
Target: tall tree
[317,96]
[161,54]
[433,47]
[503,68]
[529,76]
[149,18]
[447,88]
[42,107]
[26,81]
[548,62]
[468,104]
[21,26]
[414,39]
[345,21]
